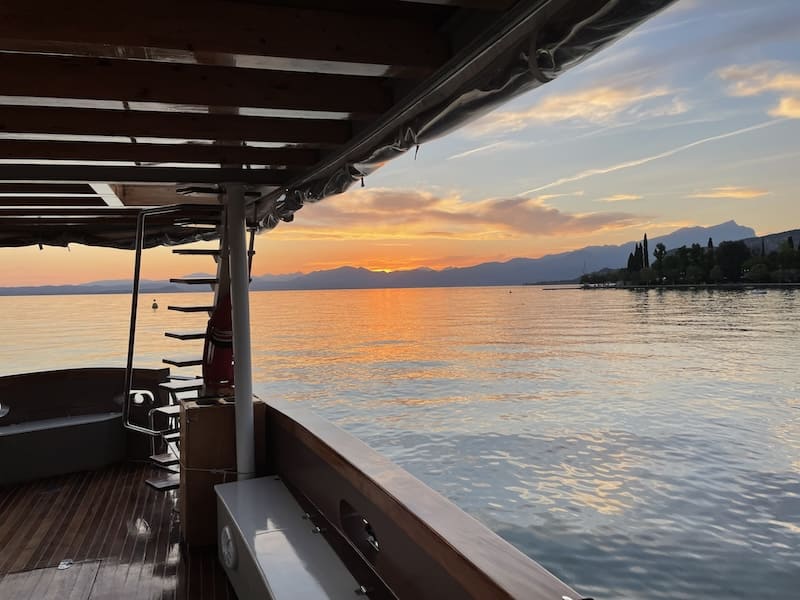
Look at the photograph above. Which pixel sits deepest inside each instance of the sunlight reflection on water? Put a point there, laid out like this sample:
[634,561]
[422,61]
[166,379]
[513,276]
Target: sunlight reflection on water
[640,445]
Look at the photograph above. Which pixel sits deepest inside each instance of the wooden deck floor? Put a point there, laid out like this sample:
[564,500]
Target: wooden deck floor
[122,536]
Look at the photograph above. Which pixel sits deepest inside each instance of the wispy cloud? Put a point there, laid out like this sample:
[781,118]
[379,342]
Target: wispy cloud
[731,192]
[485,148]
[762,78]
[620,198]
[387,214]
[601,105]
[646,159]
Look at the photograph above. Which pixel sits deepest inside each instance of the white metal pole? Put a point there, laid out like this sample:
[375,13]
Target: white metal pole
[240,309]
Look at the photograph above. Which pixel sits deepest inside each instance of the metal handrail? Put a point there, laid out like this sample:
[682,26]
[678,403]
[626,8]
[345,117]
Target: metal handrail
[137,269]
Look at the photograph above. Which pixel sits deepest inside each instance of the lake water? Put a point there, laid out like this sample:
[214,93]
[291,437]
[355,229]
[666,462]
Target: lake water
[638,444]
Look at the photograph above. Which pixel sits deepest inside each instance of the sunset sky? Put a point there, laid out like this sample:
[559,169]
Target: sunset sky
[693,119]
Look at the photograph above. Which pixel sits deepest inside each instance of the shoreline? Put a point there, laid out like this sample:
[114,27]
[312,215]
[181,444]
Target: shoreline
[695,286]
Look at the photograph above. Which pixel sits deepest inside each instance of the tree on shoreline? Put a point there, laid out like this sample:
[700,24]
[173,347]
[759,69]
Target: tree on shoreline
[730,262]
[659,253]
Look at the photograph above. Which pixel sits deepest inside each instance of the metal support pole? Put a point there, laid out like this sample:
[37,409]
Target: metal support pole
[240,309]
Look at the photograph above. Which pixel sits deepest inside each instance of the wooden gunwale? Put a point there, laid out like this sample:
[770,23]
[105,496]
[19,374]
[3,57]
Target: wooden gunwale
[325,464]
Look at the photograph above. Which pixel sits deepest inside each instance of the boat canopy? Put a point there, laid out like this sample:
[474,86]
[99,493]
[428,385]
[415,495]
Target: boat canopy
[106,109]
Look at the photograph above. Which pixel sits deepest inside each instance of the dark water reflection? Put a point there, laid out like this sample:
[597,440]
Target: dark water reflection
[640,445]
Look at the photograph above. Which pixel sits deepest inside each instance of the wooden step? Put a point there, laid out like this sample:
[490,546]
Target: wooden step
[203,251]
[162,484]
[197,251]
[184,385]
[170,410]
[194,280]
[191,308]
[182,362]
[197,280]
[173,377]
[172,438]
[185,335]
[166,459]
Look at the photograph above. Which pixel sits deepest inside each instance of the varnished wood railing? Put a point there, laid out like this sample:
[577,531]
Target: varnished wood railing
[417,542]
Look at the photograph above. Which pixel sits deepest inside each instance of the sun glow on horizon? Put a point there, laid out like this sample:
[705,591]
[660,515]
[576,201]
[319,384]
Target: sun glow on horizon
[662,130]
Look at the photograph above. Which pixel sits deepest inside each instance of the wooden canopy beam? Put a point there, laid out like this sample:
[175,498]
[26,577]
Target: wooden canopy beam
[51,201]
[493,5]
[47,188]
[156,153]
[143,81]
[214,26]
[167,175]
[182,125]
[89,214]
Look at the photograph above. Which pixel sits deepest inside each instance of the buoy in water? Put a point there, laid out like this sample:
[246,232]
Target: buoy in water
[155,304]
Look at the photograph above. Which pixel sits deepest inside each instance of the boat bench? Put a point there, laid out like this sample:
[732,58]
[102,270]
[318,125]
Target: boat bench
[269,549]
[58,445]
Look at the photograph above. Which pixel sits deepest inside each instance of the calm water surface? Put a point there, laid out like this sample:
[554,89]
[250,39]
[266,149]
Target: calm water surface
[640,445]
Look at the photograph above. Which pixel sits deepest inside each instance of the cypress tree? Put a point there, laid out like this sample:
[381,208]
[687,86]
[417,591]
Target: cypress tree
[763,248]
[646,253]
[638,259]
[790,243]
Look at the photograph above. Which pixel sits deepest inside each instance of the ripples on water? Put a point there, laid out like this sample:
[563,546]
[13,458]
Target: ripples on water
[640,445]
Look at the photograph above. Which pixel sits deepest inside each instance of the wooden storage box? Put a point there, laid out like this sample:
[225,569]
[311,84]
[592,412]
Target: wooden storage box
[208,457]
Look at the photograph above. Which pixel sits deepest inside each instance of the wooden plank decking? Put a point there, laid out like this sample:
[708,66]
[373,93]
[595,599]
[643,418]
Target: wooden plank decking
[122,536]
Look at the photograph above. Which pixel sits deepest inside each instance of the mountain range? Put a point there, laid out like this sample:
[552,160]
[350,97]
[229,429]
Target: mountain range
[565,266]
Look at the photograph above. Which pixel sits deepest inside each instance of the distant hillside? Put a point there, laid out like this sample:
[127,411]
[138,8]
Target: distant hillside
[121,286]
[772,242]
[554,267]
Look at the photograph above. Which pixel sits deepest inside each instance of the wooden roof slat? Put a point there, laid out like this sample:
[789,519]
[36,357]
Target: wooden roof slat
[46,214]
[132,174]
[46,188]
[48,76]
[156,153]
[492,5]
[228,28]
[87,121]
[51,201]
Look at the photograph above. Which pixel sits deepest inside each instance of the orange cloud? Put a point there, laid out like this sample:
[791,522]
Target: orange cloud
[756,79]
[788,108]
[620,198]
[599,105]
[762,78]
[731,192]
[373,214]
